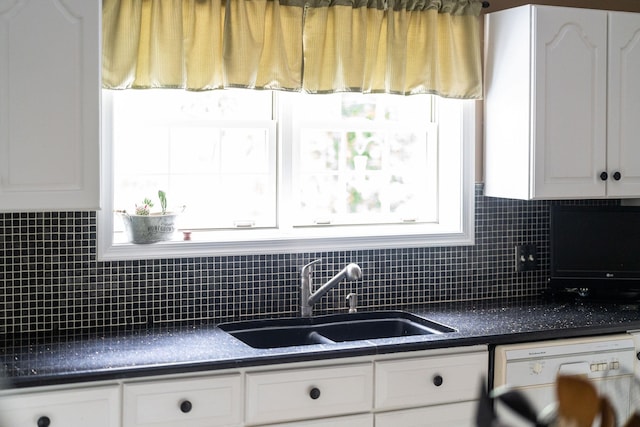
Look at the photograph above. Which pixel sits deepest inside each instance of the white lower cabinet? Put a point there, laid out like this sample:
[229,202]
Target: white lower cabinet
[452,415]
[425,388]
[81,407]
[428,380]
[364,420]
[420,388]
[297,394]
[198,402]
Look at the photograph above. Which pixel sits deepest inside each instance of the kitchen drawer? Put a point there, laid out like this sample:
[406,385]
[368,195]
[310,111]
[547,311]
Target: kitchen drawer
[429,380]
[308,393]
[197,402]
[451,415]
[82,407]
[364,420]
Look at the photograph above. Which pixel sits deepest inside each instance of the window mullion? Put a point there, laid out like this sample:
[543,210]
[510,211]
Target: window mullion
[286,154]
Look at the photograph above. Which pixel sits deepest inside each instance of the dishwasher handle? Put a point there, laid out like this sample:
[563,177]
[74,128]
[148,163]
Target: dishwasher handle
[574,368]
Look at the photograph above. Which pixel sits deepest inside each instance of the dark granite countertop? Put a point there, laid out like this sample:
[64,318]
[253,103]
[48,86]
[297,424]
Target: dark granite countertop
[66,358]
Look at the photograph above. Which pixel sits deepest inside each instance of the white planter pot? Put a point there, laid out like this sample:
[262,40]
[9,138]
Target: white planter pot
[144,229]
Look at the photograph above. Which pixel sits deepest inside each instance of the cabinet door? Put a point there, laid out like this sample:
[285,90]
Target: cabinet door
[570,84]
[199,402]
[364,420]
[623,150]
[508,103]
[429,380]
[298,394]
[95,407]
[49,104]
[453,415]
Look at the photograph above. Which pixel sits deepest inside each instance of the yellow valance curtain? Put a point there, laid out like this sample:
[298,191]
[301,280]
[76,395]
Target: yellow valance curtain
[316,46]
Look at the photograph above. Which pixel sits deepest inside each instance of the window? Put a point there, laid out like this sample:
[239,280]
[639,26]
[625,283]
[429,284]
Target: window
[204,150]
[260,171]
[363,159]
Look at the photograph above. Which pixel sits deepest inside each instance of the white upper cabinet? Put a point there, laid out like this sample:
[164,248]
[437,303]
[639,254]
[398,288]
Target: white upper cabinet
[623,149]
[559,103]
[49,104]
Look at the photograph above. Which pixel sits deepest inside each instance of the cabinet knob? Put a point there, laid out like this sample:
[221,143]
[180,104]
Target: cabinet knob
[186,406]
[44,421]
[617,175]
[604,176]
[314,393]
[437,380]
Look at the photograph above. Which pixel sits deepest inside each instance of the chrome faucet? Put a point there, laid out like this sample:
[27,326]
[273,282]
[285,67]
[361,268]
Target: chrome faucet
[308,299]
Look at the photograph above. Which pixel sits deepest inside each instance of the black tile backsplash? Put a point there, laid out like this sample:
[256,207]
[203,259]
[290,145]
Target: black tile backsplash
[50,278]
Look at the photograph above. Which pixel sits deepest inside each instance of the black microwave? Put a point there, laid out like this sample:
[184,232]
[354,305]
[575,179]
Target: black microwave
[595,249]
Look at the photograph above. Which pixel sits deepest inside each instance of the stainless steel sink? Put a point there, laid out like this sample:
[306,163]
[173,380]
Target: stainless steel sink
[287,332]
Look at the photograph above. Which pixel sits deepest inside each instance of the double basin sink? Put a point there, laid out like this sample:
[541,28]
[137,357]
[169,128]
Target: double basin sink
[331,329]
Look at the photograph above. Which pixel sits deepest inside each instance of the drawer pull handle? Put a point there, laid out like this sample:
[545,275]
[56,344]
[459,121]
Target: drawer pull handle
[186,406]
[44,421]
[314,393]
[437,380]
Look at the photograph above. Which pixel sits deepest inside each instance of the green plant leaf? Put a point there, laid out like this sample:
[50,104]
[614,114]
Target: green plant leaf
[163,201]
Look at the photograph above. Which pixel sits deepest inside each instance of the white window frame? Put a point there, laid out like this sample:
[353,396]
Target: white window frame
[308,239]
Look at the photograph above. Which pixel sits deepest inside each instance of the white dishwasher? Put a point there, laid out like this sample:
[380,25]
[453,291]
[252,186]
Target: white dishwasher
[608,361]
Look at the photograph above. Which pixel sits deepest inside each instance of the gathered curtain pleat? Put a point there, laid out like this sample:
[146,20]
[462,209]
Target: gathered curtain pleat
[316,46]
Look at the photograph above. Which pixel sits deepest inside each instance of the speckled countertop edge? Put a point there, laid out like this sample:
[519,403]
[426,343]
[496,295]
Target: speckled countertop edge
[114,355]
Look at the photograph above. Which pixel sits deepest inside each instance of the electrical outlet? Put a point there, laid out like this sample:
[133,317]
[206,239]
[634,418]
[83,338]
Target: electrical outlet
[526,257]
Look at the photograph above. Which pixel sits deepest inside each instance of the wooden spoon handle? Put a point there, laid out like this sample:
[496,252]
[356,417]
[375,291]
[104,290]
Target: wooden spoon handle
[607,413]
[633,421]
[578,400]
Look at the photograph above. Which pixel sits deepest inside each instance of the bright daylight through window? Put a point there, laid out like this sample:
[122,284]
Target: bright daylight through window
[260,171]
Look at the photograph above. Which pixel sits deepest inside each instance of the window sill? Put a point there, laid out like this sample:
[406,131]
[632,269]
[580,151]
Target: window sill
[185,249]
[317,240]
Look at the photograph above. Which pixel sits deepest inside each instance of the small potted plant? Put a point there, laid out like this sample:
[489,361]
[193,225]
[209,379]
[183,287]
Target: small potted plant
[150,227]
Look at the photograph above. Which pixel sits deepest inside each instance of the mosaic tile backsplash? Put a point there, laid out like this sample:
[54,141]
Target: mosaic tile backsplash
[50,278]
